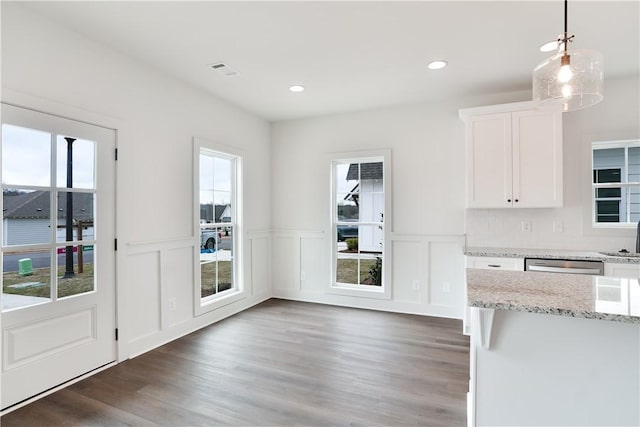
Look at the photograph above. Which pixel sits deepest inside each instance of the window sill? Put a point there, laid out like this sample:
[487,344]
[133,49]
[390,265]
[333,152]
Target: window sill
[359,291]
[614,225]
[206,306]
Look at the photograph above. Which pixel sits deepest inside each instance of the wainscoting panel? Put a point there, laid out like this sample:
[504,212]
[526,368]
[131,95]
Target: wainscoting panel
[408,271]
[177,280]
[144,285]
[286,262]
[258,278]
[314,264]
[426,273]
[446,273]
[158,298]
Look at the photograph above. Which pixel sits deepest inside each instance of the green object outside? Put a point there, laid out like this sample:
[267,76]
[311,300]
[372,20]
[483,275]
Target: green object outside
[25,267]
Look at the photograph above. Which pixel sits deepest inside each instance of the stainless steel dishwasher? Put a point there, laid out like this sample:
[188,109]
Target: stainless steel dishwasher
[566,266]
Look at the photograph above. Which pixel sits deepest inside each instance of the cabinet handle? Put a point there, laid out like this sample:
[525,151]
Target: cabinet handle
[509,200]
[494,265]
[516,200]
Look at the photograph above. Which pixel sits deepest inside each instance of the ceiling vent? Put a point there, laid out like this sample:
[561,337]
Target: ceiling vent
[224,69]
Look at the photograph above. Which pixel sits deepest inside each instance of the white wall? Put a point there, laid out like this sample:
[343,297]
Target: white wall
[44,66]
[616,117]
[427,151]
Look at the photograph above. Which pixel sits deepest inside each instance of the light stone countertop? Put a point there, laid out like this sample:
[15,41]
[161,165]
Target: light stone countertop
[549,253]
[574,295]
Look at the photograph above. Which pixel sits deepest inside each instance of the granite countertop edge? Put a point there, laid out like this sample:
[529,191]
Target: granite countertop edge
[555,311]
[548,253]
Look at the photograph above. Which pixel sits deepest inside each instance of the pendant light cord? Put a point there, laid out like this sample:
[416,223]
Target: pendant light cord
[566,31]
[566,2]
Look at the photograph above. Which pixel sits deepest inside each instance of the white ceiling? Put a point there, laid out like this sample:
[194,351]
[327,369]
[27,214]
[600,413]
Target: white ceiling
[352,55]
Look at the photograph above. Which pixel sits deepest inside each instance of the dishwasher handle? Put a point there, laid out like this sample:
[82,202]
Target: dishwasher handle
[566,270]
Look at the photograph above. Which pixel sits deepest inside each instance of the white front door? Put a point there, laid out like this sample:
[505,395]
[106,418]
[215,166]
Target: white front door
[58,260]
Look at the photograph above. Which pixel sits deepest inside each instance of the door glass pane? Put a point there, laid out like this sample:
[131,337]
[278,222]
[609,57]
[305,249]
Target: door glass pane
[26,156]
[26,217]
[82,162]
[76,276]
[26,278]
[82,217]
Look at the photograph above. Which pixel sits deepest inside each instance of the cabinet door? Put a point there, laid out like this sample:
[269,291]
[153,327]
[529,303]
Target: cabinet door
[537,159]
[489,159]
[624,270]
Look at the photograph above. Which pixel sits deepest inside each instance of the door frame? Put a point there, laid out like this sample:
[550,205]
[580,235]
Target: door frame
[56,109]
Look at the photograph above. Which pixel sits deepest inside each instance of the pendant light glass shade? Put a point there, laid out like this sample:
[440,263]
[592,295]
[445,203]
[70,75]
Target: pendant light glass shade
[572,78]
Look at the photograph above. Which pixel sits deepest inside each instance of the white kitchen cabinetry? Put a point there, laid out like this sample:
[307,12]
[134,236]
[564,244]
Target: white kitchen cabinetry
[514,156]
[624,270]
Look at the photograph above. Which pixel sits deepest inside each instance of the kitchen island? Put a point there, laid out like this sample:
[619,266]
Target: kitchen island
[553,349]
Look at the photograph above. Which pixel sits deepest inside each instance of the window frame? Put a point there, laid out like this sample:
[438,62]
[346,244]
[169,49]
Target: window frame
[238,291]
[624,185]
[384,291]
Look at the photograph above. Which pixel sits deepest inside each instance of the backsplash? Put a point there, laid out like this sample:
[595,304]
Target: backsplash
[562,228]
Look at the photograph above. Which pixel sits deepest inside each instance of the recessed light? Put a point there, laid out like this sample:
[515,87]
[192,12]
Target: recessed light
[549,46]
[438,64]
[296,88]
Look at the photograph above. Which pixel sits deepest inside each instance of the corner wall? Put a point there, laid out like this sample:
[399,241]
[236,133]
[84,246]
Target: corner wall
[47,67]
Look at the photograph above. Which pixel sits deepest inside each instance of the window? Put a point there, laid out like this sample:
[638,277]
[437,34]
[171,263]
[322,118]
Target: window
[359,225]
[616,183]
[48,200]
[217,226]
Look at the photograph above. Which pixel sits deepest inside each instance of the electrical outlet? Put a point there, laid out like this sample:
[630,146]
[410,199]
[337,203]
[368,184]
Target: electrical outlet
[172,304]
[526,226]
[558,226]
[446,287]
[416,285]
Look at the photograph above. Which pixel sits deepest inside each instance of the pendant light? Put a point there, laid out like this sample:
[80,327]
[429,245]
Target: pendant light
[571,78]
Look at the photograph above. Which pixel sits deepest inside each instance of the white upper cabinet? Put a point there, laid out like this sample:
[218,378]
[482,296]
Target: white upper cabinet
[514,156]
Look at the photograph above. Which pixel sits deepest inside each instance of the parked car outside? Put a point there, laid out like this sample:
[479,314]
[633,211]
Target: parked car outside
[345,232]
[209,238]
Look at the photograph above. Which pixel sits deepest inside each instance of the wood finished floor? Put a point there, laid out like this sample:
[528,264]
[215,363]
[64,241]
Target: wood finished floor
[280,363]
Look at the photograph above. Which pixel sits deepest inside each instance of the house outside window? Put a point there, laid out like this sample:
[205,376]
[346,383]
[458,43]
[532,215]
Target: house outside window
[360,214]
[616,183]
[217,226]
